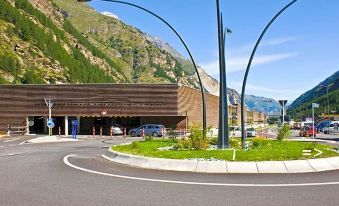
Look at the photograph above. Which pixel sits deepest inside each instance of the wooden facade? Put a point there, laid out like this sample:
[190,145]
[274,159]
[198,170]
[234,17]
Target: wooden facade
[17,102]
[168,104]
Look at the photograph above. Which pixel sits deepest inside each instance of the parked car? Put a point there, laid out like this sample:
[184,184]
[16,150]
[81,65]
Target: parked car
[250,132]
[117,130]
[332,128]
[307,131]
[321,127]
[235,131]
[155,130]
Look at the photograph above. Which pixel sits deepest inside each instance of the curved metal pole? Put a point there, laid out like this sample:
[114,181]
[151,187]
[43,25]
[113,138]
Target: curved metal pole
[243,131]
[187,49]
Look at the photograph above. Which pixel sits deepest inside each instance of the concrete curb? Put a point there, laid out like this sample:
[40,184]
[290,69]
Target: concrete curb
[263,167]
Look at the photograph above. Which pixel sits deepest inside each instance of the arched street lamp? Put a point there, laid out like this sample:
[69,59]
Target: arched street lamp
[243,131]
[186,47]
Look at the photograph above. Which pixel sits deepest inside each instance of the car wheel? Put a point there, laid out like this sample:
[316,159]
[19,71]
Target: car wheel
[155,134]
[133,134]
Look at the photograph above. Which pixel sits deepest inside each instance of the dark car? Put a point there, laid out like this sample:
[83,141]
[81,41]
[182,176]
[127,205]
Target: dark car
[155,130]
[307,131]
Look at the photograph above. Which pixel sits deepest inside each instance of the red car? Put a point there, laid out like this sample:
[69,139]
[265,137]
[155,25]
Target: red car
[307,131]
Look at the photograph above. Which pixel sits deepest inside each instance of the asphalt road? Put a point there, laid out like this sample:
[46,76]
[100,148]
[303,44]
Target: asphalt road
[36,175]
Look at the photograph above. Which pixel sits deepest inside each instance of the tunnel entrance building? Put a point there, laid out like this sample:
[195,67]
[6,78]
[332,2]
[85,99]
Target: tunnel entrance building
[106,105]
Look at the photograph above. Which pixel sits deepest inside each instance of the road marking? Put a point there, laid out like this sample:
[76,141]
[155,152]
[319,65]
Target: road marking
[11,140]
[24,142]
[319,152]
[65,159]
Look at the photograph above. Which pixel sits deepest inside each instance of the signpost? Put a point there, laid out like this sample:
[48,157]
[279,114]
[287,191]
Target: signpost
[50,123]
[283,104]
[314,105]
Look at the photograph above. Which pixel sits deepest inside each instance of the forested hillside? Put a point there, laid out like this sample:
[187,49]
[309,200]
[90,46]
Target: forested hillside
[39,44]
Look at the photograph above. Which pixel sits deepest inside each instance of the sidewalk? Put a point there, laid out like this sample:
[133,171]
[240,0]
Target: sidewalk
[291,166]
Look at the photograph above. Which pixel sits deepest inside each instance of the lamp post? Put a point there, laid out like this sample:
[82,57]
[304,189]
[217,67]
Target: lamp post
[243,132]
[186,47]
[223,131]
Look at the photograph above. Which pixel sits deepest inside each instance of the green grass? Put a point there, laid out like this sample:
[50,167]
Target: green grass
[275,150]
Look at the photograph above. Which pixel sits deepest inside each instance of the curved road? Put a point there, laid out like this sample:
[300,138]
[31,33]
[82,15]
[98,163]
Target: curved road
[35,174]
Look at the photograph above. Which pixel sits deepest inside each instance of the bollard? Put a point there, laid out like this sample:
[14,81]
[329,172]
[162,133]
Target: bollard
[93,132]
[59,131]
[111,132]
[100,131]
[125,132]
[143,133]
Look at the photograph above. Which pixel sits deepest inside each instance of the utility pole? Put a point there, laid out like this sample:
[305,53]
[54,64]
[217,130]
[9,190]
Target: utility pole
[314,105]
[50,124]
[283,104]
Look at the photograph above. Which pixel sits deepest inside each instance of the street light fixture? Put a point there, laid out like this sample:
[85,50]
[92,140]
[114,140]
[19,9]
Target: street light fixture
[243,132]
[186,47]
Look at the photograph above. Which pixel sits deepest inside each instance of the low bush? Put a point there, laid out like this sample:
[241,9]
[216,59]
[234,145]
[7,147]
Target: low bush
[184,144]
[259,142]
[199,142]
[284,132]
[235,143]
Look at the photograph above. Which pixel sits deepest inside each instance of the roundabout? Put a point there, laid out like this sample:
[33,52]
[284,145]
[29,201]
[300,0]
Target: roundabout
[46,173]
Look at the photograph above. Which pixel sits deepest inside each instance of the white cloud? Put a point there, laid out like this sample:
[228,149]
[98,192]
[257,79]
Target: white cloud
[238,57]
[110,14]
[239,63]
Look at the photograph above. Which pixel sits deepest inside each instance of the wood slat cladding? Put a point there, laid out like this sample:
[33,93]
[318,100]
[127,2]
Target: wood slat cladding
[190,100]
[19,101]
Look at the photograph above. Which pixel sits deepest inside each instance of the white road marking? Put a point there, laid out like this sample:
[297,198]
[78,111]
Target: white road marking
[65,159]
[23,142]
[11,140]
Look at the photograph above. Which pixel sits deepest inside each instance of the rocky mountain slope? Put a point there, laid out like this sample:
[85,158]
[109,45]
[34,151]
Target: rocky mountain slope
[62,41]
[263,104]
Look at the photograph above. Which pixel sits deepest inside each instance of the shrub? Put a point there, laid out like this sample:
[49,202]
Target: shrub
[184,144]
[284,132]
[234,143]
[199,142]
[259,142]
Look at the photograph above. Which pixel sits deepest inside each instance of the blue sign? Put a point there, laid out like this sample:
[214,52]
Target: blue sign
[50,123]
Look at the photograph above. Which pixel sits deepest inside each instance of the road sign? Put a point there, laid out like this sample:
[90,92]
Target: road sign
[315,105]
[50,123]
[31,123]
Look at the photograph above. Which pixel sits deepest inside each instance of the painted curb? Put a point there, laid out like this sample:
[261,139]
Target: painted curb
[262,167]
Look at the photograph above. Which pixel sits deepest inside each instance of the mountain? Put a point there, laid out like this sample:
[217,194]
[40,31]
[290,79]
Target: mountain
[302,105]
[262,104]
[62,41]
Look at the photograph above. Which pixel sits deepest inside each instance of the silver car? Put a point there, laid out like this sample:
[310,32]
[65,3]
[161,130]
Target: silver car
[155,130]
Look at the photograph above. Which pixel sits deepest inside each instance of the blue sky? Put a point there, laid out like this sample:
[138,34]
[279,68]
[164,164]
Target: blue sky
[300,50]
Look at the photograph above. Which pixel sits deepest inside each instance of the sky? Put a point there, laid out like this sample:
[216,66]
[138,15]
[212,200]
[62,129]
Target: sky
[300,49]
